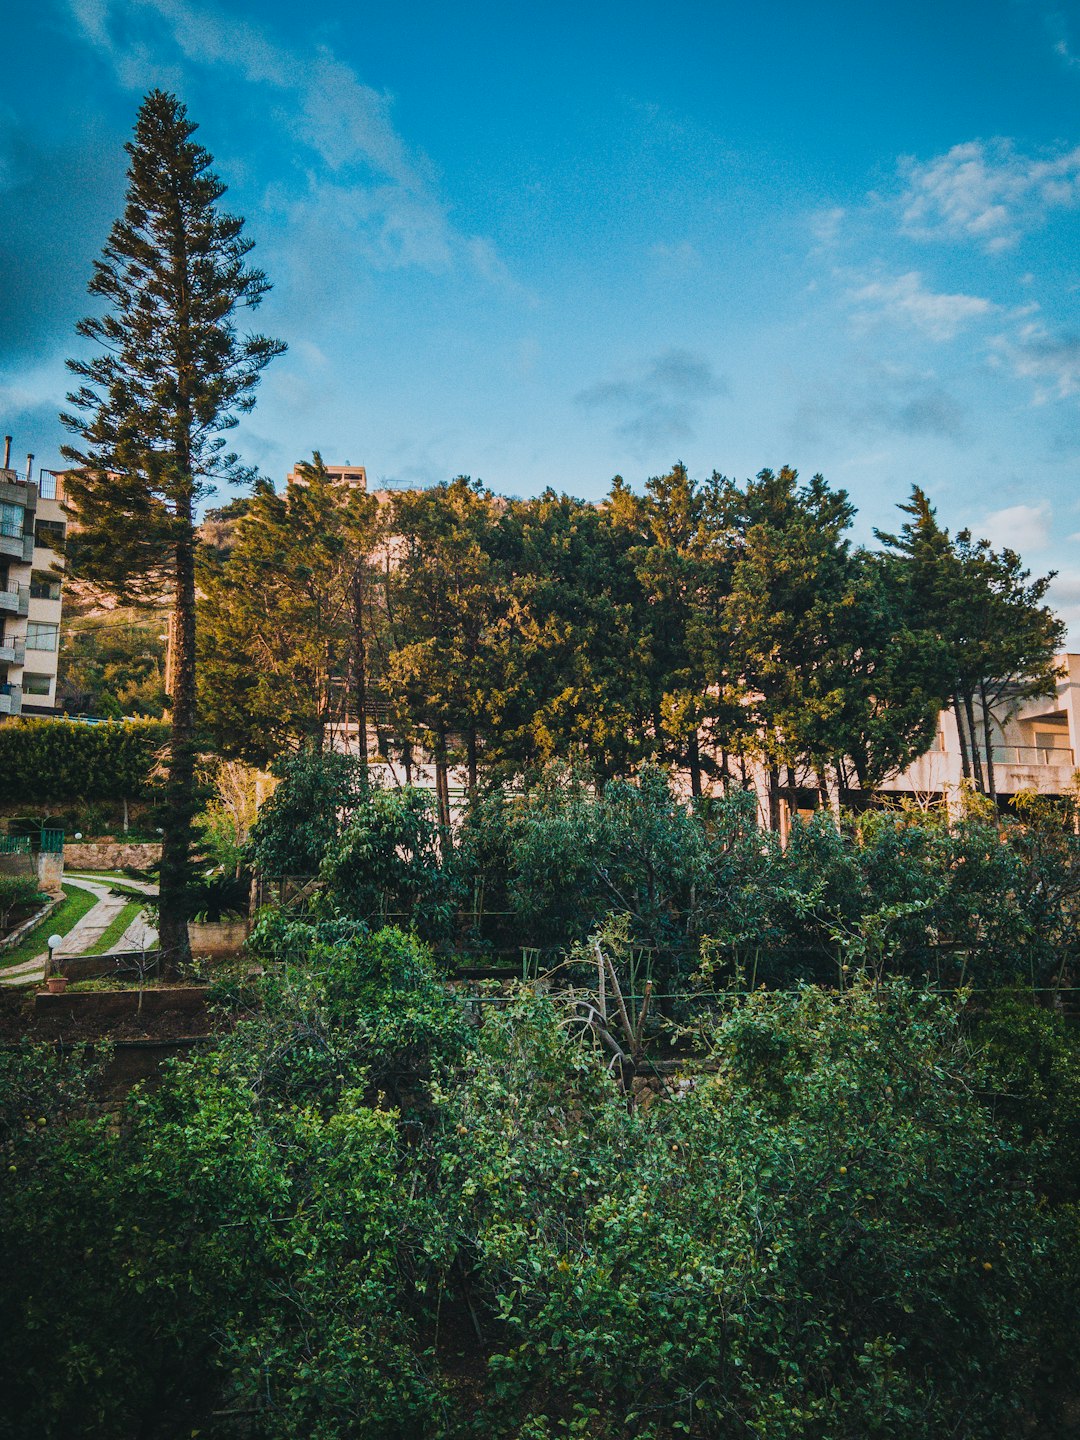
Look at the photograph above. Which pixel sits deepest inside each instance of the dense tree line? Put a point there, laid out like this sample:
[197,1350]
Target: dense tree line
[713,626]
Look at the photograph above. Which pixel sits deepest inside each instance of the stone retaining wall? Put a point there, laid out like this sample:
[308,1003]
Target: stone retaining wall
[111,854]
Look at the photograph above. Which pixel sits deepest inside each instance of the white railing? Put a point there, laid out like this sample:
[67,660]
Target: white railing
[1029,755]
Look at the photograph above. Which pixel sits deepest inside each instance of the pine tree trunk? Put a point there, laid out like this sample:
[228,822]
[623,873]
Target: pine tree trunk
[360,665]
[774,798]
[473,761]
[988,745]
[180,782]
[965,761]
[976,758]
[442,789]
[693,756]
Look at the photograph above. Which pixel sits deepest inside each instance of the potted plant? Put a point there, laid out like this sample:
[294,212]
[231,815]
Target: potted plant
[56,984]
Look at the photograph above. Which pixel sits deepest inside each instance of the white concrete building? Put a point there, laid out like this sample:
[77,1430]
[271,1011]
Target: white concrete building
[32,532]
[1035,749]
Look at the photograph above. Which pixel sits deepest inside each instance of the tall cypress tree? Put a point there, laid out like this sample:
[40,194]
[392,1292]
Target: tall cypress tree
[170,378]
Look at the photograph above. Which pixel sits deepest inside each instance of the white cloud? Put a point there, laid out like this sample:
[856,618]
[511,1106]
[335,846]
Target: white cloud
[1051,360]
[681,256]
[1020,527]
[905,299]
[986,191]
[825,226]
[379,194]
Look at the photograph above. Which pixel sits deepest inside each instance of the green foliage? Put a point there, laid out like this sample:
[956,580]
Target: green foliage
[63,760]
[996,639]
[980,900]
[358,1215]
[282,615]
[388,864]
[113,665]
[16,892]
[826,1238]
[307,813]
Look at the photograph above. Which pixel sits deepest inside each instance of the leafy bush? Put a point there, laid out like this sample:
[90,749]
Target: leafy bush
[388,864]
[831,1235]
[307,812]
[16,892]
[827,1238]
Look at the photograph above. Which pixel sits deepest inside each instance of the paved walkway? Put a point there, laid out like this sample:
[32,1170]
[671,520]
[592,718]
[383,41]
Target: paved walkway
[84,936]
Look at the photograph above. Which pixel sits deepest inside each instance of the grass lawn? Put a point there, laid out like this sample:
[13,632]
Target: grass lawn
[74,906]
[116,927]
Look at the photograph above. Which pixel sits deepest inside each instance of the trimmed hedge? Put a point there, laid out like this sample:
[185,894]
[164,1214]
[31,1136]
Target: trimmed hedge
[55,760]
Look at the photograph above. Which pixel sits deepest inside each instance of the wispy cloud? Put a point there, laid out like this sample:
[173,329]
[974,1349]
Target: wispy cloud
[986,191]
[661,403]
[826,225]
[680,255]
[1059,30]
[1020,527]
[884,399]
[905,299]
[381,193]
[1051,360]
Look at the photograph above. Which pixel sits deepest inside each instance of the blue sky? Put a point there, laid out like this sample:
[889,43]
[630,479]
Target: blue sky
[542,244]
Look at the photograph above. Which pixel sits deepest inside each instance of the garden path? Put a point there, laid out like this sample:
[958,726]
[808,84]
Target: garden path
[82,938]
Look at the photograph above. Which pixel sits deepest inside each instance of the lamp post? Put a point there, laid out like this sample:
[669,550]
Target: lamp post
[54,942]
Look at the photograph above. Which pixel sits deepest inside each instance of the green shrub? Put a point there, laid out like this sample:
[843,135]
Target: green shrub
[16,892]
[61,760]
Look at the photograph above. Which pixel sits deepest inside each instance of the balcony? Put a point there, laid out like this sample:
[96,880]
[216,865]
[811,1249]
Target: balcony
[15,600]
[1025,755]
[15,543]
[10,699]
[12,652]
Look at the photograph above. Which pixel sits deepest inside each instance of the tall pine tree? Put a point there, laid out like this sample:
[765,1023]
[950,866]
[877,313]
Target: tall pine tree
[170,378]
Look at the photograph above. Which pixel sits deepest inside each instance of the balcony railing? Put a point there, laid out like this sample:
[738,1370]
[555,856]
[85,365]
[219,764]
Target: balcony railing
[49,485]
[10,699]
[12,653]
[15,490]
[1030,755]
[15,600]
[17,546]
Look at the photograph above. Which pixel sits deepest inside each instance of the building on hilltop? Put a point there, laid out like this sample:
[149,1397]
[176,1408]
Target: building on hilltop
[338,474]
[32,533]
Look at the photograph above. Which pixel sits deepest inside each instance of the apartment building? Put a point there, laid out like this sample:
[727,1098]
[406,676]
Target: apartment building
[1035,749]
[32,531]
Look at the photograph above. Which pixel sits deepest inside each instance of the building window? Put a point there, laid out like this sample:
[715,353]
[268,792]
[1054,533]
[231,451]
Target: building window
[40,636]
[44,586]
[36,684]
[11,520]
[50,534]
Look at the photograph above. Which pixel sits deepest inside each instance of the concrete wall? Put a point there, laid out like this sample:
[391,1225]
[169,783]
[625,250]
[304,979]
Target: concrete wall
[224,938]
[50,871]
[111,854]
